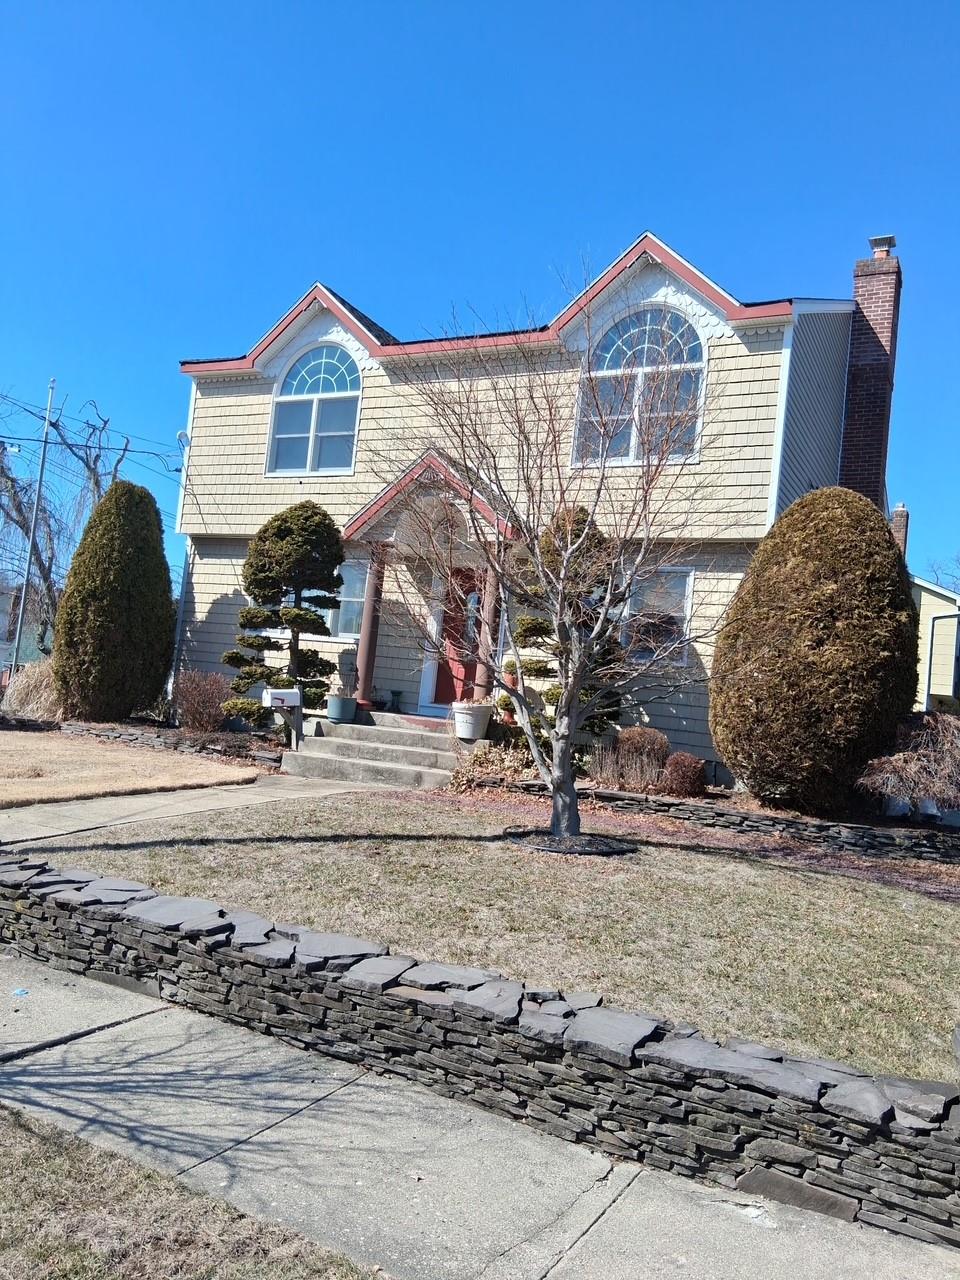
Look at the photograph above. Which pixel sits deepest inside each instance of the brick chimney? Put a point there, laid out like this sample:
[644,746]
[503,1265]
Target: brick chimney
[899,526]
[873,354]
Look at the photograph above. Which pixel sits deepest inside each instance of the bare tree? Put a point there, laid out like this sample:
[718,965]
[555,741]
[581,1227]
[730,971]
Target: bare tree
[549,501]
[70,494]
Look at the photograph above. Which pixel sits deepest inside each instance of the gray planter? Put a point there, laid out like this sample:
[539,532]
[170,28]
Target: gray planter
[341,710]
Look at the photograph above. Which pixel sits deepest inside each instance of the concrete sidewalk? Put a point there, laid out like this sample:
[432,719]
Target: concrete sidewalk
[62,817]
[384,1171]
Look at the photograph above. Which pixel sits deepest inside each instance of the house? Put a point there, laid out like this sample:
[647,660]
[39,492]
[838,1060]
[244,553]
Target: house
[938,686]
[799,391]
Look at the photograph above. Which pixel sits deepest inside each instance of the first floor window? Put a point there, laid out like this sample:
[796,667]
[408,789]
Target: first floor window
[657,621]
[344,621]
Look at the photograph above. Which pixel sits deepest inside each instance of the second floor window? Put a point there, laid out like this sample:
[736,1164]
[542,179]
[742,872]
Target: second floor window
[641,394]
[315,414]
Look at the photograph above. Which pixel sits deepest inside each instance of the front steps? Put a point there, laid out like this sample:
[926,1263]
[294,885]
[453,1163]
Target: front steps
[405,752]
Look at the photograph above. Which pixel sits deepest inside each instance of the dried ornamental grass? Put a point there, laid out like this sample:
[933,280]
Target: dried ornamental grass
[31,693]
[925,765]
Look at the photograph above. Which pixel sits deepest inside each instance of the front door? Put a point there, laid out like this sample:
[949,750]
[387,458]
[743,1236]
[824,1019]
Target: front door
[459,640]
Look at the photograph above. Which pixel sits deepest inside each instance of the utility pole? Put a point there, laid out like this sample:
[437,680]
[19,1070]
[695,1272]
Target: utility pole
[33,531]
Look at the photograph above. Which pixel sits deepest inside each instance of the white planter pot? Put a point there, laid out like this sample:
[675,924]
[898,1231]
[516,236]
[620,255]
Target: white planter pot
[470,720]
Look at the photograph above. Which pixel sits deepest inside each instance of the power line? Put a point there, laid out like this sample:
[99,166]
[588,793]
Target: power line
[37,411]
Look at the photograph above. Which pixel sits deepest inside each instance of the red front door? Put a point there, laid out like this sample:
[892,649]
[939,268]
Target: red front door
[459,639]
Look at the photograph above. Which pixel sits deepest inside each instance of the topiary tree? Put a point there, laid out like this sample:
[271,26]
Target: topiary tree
[291,574]
[113,639]
[816,663]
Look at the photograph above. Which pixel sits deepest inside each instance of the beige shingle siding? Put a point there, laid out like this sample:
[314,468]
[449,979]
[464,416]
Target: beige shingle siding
[816,391]
[681,711]
[946,644]
[228,494]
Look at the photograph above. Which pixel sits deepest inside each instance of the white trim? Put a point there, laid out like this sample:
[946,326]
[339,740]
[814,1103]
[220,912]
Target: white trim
[185,577]
[780,423]
[822,306]
[181,496]
[935,587]
[269,474]
[428,676]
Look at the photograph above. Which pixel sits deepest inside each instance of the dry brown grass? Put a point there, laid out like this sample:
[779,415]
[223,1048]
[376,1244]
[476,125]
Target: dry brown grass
[739,941]
[69,1211]
[51,766]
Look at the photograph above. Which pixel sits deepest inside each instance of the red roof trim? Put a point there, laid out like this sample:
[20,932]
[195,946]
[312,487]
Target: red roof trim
[318,294]
[733,311]
[429,462]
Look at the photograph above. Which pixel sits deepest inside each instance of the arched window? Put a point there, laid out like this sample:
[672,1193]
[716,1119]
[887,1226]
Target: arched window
[641,394]
[315,413]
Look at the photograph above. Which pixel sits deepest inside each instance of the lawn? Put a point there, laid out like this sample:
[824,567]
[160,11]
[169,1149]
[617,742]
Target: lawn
[52,766]
[749,941]
[69,1211]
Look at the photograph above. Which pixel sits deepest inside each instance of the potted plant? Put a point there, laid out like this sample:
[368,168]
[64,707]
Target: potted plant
[342,706]
[471,719]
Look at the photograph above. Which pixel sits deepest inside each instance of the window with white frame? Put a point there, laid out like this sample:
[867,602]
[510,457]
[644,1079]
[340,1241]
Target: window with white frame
[657,617]
[344,621]
[315,414]
[641,394]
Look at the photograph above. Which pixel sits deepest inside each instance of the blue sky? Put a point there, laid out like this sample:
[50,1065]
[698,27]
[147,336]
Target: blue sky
[176,175]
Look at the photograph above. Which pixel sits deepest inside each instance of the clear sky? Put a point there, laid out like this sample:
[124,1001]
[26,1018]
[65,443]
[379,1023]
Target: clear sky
[176,175]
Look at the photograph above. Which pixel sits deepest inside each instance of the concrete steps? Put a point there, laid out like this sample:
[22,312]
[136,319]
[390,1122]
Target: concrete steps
[408,753]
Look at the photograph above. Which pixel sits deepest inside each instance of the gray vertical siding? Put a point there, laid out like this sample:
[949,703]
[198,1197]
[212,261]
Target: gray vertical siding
[813,423]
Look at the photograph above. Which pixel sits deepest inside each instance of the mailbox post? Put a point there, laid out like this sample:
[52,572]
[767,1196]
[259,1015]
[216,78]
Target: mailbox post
[289,703]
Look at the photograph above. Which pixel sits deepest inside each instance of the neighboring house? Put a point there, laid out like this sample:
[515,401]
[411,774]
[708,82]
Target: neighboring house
[938,687]
[800,389]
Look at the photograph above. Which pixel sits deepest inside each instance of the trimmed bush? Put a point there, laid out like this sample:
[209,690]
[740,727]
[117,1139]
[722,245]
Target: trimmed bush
[198,698]
[684,775]
[113,638]
[291,574]
[816,663]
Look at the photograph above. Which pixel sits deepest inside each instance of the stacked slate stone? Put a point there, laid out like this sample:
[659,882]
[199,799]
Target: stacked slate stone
[131,737]
[810,1132]
[844,837]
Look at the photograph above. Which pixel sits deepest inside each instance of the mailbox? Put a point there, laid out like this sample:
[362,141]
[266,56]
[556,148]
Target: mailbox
[278,699]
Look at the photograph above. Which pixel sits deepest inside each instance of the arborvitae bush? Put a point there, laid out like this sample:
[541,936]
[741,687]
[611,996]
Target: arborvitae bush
[816,663]
[113,638]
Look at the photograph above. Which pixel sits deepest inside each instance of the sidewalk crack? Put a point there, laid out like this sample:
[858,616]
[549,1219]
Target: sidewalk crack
[298,1111]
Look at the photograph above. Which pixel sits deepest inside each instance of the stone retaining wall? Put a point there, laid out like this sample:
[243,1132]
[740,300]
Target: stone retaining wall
[878,841]
[809,1132]
[171,740]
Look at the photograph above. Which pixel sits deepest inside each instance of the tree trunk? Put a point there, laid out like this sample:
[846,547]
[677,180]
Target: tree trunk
[565,818]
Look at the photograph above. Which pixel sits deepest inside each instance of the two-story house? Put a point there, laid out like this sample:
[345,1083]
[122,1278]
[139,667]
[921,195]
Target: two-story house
[797,391]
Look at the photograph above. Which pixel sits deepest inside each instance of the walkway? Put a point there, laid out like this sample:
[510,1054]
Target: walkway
[61,817]
[384,1171]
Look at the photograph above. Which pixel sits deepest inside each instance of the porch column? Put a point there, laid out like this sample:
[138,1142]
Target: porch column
[370,625]
[488,640]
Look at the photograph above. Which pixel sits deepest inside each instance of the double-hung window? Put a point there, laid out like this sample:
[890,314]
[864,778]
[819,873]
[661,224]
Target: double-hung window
[640,399]
[315,414]
[344,621]
[656,625]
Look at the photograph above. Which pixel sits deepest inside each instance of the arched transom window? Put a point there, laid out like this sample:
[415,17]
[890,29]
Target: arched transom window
[315,413]
[641,395]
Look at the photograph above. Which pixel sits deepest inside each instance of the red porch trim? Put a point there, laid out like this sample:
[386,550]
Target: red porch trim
[430,461]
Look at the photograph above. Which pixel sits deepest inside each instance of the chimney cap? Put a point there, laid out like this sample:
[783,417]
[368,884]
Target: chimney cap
[881,245]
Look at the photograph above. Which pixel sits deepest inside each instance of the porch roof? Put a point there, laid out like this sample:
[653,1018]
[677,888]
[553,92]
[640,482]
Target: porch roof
[432,465]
